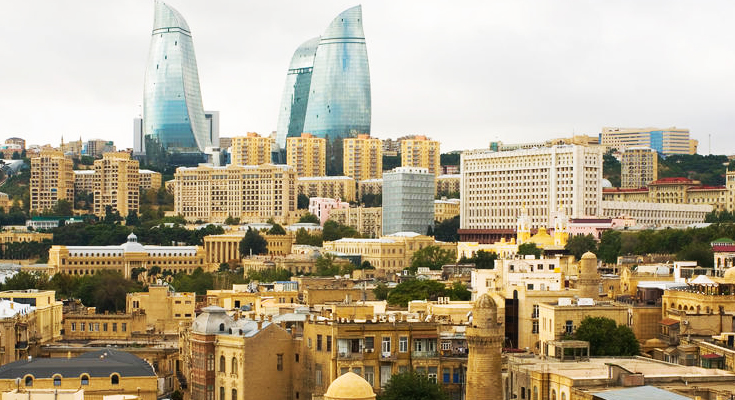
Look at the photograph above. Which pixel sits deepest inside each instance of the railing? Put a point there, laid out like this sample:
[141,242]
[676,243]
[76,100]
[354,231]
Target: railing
[349,356]
[424,354]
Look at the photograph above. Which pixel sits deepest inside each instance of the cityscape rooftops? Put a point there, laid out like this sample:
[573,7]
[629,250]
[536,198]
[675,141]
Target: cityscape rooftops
[102,363]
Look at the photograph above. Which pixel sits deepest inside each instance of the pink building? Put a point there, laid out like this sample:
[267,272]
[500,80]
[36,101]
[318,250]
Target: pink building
[320,206]
[595,226]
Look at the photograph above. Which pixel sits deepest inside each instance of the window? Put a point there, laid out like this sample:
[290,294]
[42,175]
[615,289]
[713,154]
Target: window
[104,326]
[344,370]
[457,375]
[569,327]
[210,362]
[432,374]
[84,379]
[210,392]
[402,369]
[296,357]
[97,326]
[114,326]
[318,342]
[81,326]
[222,364]
[369,342]
[309,343]
[221,393]
[329,343]
[124,327]
[385,347]
[370,375]
[534,327]
[534,314]
[403,344]
[234,394]
[115,379]
[73,326]
[279,362]
[446,375]
[234,365]
[446,345]
[29,381]
[318,374]
[57,380]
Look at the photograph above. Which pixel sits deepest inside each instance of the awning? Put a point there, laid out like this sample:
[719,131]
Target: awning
[711,356]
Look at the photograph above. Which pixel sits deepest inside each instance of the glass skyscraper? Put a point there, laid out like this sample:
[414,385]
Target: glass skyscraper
[174,124]
[338,87]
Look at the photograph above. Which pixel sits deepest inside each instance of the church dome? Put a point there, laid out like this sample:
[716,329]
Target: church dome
[349,386]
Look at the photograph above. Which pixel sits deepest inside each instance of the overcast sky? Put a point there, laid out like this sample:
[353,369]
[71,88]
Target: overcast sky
[462,72]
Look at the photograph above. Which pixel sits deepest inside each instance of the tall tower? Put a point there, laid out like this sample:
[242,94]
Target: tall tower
[485,339]
[588,281]
[523,227]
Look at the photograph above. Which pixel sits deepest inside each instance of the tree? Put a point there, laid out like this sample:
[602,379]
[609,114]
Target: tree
[327,265]
[309,218]
[253,243]
[302,202]
[411,385]
[365,265]
[699,252]
[111,217]
[458,291]
[611,168]
[132,219]
[275,229]
[63,208]
[432,257]
[482,259]
[232,221]
[381,291]
[606,338]
[333,230]
[446,231]
[580,244]
[610,246]
[269,275]
[371,200]
[154,270]
[303,237]
[529,249]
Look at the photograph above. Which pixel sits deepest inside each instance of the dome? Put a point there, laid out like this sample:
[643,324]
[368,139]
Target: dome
[730,275]
[606,184]
[213,319]
[350,386]
[589,255]
[485,301]
[132,245]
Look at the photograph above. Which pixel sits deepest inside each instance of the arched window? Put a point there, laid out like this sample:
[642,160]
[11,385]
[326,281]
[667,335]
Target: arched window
[84,379]
[563,396]
[234,365]
[535,393]
[57,380]
[553,394]
[222,327]
[115,379]
[234,394]
[222,364]
[29,381]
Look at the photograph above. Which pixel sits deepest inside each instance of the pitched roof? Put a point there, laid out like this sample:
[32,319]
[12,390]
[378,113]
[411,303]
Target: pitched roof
[101,363]
[669,321]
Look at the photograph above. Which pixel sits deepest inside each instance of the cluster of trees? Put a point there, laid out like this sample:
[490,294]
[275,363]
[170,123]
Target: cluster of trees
[105,233]
[200,281]
[482,259]
[372,200]
[25,250]
[432,257]
[720,217]
[709,169]
[446,231]
[611,168]
[606,338]
[415,289]
[411,385]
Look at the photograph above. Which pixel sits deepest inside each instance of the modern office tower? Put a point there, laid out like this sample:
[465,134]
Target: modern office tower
[253,193]
[175,127]
[307,155]
[408,200]
[638,167]
[251,149]
[327,89]
[665,141]
[150,179]
[334,187]
[363,157]
[421,152]
[116,184]
[497,186]
[52,179]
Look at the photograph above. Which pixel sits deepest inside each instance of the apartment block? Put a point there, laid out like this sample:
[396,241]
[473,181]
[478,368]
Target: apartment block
[251,149]
[639,167]
[334,187]
[322,207]
[307,155]
[163,307]
[253,193]
[52,179]
[497,186]
[369,186]
[448,184]
[666,141]
[84,181]
[98,147]
[366,220]
[149,179]
[421,152]
[116,184]
[363,157]
[445,209]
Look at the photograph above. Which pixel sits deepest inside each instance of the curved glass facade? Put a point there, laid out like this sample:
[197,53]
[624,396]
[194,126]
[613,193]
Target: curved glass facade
[174,123]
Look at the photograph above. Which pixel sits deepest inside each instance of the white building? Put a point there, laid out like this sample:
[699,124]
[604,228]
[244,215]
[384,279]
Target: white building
[657,214]
[533,274]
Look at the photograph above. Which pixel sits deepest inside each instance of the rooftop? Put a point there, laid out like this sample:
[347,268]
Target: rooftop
[102,363]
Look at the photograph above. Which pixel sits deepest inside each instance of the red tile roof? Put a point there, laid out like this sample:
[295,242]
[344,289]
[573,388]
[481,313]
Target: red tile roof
[664,181]
[669,321]
[711,356]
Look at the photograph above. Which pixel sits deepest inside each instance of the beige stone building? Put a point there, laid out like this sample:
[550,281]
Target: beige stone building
[252,193]
[485,339]
[52,179]
[86,324]
[369,186]
[84,181]
[363,157]
[226,247]
[333,187]
[164,308]
[639,167]
[447,184]
[47,314]
[422,152]
[656,214]
[116,184]
[149,179]
[18,329]
[730,187]
[674,191]
[251,149]
[366,220]
[666,141]
[22,236]
[445,209]
[307,155]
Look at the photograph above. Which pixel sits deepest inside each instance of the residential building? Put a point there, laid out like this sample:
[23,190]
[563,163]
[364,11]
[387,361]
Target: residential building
[47,314]
[175,128]
[84,181]
[322,206]
[87,260]
[251,149]
[408,200]
[369,186]
[9,150]
[445,209]
[16,140]
[638,167]
[421,152]
[164,308]
[307,155]
[252,193]
[448,185]
[724,255]
[149,179]
[497,186]
[17,329]
[116,184]
[666,141]
[363,158]
[86,324]
[52,179]
[335,187]
[656,214]
[366,220]
[391,146]
[97,147]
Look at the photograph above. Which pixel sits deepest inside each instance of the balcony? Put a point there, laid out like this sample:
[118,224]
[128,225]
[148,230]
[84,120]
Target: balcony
[425,354]
[350,356]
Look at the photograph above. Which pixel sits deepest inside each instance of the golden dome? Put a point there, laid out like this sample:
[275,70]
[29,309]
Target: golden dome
[349,386]
[588,255]
[729,275]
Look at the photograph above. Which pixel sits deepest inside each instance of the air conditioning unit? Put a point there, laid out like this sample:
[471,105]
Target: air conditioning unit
[369,350]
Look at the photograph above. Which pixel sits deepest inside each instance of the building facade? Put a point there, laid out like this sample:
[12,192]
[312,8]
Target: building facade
[334,187]
[307,155]
[408,200]
[445,209]
[638,167]
[52,179]
[656,214]
[666,141]
[421,152]
[251,149]
[370,186]
[448,185]
[164,308]
[149,179]
[366,220]
[323,206]
[363,158]
[116,184]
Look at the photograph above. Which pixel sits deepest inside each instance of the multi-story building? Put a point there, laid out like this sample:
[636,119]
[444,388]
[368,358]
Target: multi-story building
[10,150]
[673,191]
[363,158]
[87,260]
[408,200]
[638,167]
[16,140]
[369,186]
[48,313]
[656,214]
[8,236]
[251,149]
[445,209]
[252,193]
[664,141]
[323,206]
[334,187]
[52,179]
[84,181]
[447,185]
[116,184]
[226,247]
[149,179]
[366,220]
[97,147]
[421,152]
[163,307]
[17,327]
[307,155]
[496,186]
[730,187]
[86,324]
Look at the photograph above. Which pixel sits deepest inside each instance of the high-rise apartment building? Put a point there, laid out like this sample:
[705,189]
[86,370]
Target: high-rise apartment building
[116,184]
[639,167]
[333,187]
[52,179]
[363,157]
[421,152]
[253,193]
[307,154]
[150,179]
[408,200]
[98,147]
[497,186]
[327,89]
[665,141]
[174,125]
[251,149]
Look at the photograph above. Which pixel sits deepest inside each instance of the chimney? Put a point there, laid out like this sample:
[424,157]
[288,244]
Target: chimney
[260,324]
[270,318]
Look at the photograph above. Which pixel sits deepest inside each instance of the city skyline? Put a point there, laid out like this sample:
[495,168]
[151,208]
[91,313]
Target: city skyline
[523,71]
